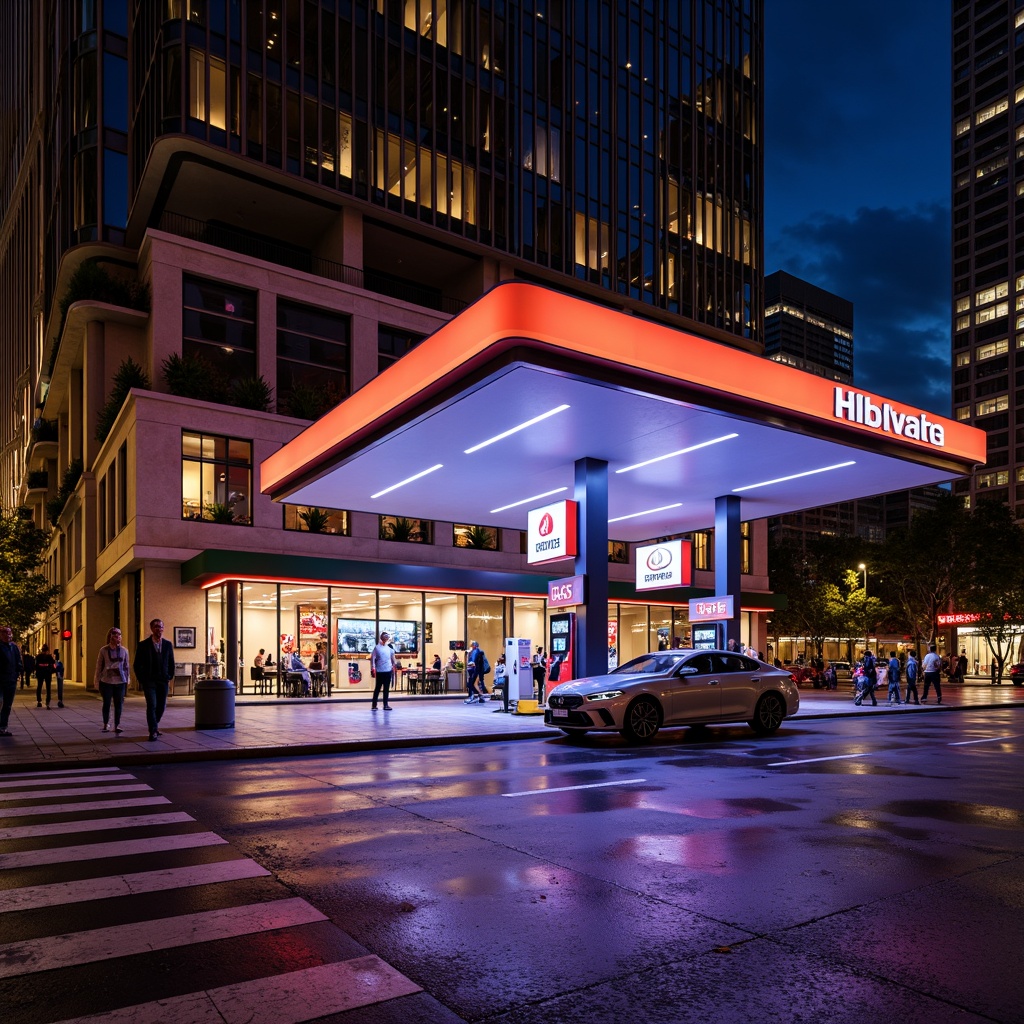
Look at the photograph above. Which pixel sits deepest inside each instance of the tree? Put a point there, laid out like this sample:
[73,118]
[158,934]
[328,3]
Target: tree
[994,589]
[927,565]
[25,592]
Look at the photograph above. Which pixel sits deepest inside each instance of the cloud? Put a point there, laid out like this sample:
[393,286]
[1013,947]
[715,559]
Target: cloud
[894,266]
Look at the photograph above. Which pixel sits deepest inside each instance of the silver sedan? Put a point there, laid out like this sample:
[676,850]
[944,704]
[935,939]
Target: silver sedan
[668,688]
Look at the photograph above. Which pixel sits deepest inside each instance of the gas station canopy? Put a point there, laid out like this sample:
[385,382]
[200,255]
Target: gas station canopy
[486,419]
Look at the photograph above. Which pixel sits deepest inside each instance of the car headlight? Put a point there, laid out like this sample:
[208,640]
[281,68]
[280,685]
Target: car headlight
[604,695]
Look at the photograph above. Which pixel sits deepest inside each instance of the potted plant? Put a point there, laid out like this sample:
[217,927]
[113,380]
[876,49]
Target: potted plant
[316,519]
[216,512]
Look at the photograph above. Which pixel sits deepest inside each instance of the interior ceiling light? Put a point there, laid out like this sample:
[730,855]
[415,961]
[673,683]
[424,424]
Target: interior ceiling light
[682,451]
[407,480]
[793,476]
[650,511]
[516,429]
[526,501]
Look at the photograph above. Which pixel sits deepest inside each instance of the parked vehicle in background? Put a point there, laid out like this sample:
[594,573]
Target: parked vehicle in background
[668,688]
[1017,674]
[844,670]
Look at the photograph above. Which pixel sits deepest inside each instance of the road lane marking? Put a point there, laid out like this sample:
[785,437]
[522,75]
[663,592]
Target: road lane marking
[97,851]
[87,947]
[58,778]
[61,773]
[35,794]
[59,828]
[56,894]
[990,739]
[86,805]
[568,789]
[284,999]
[834,757]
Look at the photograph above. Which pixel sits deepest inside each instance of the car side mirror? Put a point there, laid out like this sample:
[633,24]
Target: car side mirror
[687,670]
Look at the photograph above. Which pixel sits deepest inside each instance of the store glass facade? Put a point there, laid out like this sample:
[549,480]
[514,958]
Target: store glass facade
[342,624]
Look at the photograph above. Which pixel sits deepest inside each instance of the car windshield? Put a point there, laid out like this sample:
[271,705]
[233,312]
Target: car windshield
[650,664]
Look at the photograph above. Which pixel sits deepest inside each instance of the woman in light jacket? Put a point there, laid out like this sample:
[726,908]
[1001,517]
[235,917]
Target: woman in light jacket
[113,670]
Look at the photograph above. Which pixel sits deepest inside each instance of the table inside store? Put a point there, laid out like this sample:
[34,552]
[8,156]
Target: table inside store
[292,684]
[419,681]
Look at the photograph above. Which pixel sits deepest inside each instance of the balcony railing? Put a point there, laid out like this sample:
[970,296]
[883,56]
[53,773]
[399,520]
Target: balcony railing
[246,244]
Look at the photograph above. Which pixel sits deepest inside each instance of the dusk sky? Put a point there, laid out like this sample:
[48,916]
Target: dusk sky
[857,177]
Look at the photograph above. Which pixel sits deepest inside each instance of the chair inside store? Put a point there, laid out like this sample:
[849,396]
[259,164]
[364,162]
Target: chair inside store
[318,685]
[413,679]
[260,683]
[293,685]
[432,681]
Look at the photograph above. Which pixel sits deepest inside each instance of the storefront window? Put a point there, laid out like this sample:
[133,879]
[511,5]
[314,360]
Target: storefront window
[216,478]
[258,604]
[303,628]
[659,635]
[485,621]
[632,631]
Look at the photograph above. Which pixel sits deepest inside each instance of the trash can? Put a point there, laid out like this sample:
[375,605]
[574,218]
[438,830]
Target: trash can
[215,704]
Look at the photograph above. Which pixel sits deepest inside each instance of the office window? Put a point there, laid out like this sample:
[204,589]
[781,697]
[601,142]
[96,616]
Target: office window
[216,478]
[219,325]
[996,348]
[393,343]
[963,358]
[986,295]
[122,486]
[215,113]
[313,357]
[984,316]
[991,405]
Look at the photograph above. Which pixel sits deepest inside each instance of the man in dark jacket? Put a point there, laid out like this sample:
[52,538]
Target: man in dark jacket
[154,668]
[11,666]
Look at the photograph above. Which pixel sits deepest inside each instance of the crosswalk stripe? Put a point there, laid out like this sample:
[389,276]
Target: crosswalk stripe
[53,952]
[83,791]
[33,897]
[63,772]
[60,828]
[97,851]
[51,778]
[86,805]
[283,999]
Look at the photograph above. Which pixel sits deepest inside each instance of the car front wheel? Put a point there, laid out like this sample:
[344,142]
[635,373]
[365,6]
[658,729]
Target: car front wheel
[768,714]
[643,720]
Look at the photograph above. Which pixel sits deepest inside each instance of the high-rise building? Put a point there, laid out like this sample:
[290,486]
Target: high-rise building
[808,327]
[988,242]
[222,217]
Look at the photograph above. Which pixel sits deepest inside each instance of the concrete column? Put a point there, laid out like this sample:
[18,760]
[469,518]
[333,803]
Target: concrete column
[231,633]
[592,561]
[727,559]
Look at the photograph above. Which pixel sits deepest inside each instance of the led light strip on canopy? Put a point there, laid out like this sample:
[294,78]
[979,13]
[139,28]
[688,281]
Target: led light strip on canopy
[515,429]
[407,480]
[794,476]
[672,455]
[647,512]
[526,501]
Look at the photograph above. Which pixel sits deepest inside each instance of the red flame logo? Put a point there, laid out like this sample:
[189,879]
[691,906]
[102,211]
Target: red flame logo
[547,524]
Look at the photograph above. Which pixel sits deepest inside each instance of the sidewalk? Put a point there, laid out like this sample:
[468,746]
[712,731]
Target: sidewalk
[272,727]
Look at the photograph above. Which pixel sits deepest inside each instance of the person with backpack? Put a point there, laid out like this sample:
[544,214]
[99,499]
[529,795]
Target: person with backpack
[913,671]
[870,667]
[477,666]
[894,679]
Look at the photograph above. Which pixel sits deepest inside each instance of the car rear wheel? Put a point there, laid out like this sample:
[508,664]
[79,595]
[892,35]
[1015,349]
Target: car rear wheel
[768,714]
[643,720]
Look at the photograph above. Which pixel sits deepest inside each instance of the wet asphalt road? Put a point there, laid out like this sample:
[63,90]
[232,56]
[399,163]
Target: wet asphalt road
[844,870]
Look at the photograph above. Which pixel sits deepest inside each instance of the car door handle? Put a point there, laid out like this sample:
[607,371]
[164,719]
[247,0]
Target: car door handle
[755,679]
[712,682]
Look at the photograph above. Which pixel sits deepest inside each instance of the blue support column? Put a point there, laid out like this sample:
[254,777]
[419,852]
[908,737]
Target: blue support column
[727,559]
[592,561]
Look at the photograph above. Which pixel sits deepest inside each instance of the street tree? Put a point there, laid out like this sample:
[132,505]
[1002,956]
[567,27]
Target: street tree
[994,588]
[25,592]
[927,565]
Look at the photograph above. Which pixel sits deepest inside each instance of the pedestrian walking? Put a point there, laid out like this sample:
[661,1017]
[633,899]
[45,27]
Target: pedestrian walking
[477,667]
[44,675]
[111,677]
[11,666]
[154,668]
[58,673]
[383,664]
[894,679]
[538,672]
[870,667]
[931,666]
[30,668]
[913,670]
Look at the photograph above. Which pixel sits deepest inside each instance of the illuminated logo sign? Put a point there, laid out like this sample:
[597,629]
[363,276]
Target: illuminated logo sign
[859,408]
[958,618]
[551,532]
[663,565]
[711,609]
[563,593]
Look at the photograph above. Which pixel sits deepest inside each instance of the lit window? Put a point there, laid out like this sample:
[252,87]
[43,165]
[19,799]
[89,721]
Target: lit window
[993,479]
[991,111]
[998,291]
[1019,94]
[216,478]
[963,322]
[311,519]
[963,358]
[964,413]
[593,242]
[197,64]
[983,316]
[997,348]
[963,125]
[991,405]
[481,537]
[962,305]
